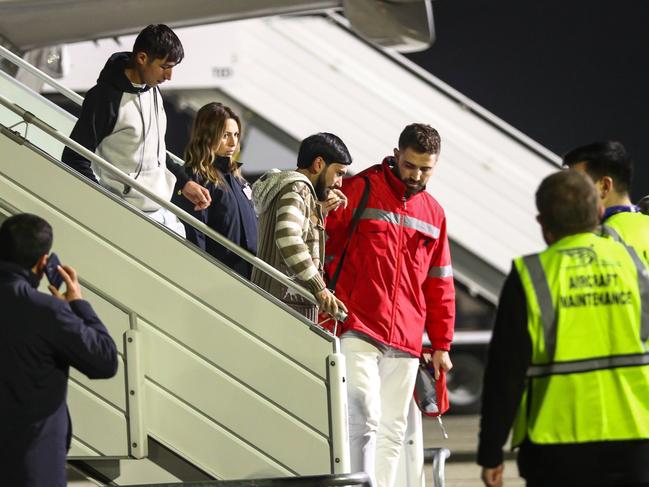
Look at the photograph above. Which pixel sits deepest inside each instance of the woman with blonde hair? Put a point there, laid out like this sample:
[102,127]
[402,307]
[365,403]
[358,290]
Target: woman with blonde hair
[209,160]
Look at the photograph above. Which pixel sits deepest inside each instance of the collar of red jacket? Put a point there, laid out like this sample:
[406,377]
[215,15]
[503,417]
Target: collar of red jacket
[397,186]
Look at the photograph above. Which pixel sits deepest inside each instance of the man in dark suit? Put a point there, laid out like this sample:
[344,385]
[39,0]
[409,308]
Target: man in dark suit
[41,336]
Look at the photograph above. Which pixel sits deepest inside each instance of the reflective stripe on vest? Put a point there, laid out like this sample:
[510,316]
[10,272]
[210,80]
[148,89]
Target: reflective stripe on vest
[403,220]
[549,315]
[643,280]
[589,378]
[544,298]
[633,229]
[588,365]
[643,283]
[611,232]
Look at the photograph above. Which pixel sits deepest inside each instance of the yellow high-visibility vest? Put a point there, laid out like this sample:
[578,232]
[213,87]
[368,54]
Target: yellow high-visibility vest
[588,320]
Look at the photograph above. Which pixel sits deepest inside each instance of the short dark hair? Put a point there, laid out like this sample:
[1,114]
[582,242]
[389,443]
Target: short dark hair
[608,158]
[328,146]
[25,238]
[159,42]
[421,138]
[568,203]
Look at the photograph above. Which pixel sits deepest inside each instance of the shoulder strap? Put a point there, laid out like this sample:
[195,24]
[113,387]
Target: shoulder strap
[352,227]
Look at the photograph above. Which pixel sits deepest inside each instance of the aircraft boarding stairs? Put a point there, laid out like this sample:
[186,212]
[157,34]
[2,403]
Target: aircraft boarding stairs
[213,372]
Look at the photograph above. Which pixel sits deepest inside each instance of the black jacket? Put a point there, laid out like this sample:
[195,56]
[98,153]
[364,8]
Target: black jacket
[231,214]
[609,463]
[40,338]
[99,114]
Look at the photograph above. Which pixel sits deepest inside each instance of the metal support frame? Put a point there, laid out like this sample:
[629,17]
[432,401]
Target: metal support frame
[440,455]
[137,444]
[311,481]
[338,423]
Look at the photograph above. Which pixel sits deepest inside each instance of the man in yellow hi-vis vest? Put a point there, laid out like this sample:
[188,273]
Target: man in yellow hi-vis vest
[610,167]
[568,363]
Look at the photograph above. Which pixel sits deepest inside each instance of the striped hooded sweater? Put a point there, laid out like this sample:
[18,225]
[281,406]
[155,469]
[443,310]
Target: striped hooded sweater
[291,235]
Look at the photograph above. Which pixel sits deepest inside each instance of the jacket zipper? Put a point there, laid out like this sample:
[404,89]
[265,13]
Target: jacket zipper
[398,277]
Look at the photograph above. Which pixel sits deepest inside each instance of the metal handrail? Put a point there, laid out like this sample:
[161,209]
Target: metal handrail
[30,118]
[310,481]
[21,63]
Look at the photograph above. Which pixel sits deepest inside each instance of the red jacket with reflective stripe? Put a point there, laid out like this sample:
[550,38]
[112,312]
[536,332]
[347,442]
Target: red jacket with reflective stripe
[397,275]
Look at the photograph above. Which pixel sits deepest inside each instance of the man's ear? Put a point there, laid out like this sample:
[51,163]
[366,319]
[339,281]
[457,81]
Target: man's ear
[141,58]
[317,165]
[604,186]
[40,265]
[547,236]
[607,184]
[396,153]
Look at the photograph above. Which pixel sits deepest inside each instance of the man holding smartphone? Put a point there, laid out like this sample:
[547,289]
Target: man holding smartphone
[40,338]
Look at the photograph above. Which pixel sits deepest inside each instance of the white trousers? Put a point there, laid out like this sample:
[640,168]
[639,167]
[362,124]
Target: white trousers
[410,472]
[379,390]
[168,219]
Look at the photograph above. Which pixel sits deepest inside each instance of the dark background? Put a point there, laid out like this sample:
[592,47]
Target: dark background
[564,72]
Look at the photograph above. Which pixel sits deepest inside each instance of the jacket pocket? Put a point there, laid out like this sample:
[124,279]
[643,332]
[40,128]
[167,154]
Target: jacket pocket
[372,236]
[420,248]
[159,181]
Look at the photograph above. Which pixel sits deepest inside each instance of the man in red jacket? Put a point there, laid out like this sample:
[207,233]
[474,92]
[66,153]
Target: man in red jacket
[396,279]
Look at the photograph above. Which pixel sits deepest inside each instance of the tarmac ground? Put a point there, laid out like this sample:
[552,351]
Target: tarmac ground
[461,469]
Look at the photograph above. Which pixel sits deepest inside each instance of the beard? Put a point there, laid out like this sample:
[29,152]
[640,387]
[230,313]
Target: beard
[412,186]
[321,189]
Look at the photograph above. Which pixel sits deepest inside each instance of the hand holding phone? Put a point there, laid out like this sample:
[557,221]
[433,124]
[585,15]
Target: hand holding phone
[52,270]
[58,274]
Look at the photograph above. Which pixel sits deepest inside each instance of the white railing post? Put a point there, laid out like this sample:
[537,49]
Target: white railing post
[336,379]
[137,445]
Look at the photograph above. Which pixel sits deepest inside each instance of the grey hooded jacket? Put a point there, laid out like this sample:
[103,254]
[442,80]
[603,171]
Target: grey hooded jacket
[291,235]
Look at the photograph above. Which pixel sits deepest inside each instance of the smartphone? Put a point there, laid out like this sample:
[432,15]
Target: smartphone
[52,272]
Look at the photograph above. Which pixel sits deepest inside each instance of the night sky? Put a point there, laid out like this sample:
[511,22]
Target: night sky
[565,72]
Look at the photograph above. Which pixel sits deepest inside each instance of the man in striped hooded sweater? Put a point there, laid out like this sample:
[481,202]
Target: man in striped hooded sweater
[291,221]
